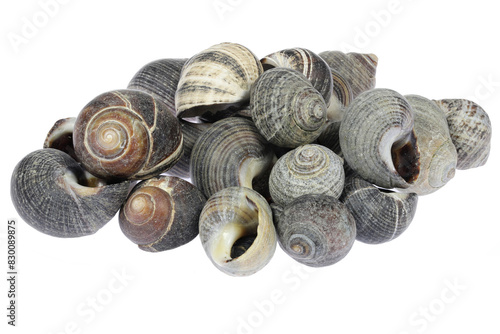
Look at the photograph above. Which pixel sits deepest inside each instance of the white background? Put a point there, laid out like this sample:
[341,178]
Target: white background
[436,49]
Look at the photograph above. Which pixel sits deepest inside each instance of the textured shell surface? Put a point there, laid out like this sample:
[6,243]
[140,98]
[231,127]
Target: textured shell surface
[50,192]
[238,217]
[308,169]
[315,230]
[216,79]
[380,215]
[60,136]
[162,213]
[470,130]
[160,79]
[330,138]
[230,153]
[127,134]
[378,141]
[286,108]
[341,97]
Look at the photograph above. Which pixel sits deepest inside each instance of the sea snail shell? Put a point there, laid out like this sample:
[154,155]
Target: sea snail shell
[315,230]
[308,169]
[162,213]
[470,130]
[377,139]
[216,79]
[127,134]
[50,192]
[286,108]
[380,215]
[237,231]
[60,136]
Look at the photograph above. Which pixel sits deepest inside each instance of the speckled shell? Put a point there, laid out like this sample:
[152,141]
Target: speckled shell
[315,230]
[380,215]
[358,69]
[438,156]
[286,108]
[160,79]
[314,68]
[60,136]
[162,213]
[377,139]
[49,191]
[127,134]
[230,153]
[308,169]
[470,130]
[216,79]
[238,217]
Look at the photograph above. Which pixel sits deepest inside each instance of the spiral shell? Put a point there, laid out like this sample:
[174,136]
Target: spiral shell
[380,215]
[470,130]
[286,108]
[237,231]
[230,153]
[377,139]
[60,136]
[50,192]
[316,230]
[216,79]
[162,213]
[127,134]
[308,169]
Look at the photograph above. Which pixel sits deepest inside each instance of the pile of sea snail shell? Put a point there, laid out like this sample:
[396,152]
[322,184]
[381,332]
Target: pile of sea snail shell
[296,148]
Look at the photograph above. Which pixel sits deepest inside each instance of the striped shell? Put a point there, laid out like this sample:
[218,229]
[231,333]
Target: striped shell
[341,97]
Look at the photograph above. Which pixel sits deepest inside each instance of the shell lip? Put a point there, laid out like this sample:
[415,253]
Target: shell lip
[406,158]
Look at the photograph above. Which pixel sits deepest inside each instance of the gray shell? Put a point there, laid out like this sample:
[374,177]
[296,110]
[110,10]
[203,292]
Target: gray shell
[48,189]
[330,138]
[286,108]
[470,130]
[341,97]
[380,215]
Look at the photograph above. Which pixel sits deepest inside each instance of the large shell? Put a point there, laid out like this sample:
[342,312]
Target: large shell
[315,230]
[358,69]
[237,231]
[216,79]
[160,79]
[286,108]
[162,213]
[127,134]
[50,192]
[380,215]
[308,169]
[60,136]
[377,139]
[470,130]
[438,156]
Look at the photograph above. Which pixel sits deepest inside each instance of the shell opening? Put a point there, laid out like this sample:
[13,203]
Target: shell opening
[406,158]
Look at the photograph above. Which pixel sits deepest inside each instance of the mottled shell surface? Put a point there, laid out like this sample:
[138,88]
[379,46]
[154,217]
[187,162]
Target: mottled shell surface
[380,215]
[216,79]
[470,130]
[60,136]
[308,169]
[237,231]
[127,134]
[160,79]
[162,213]
[378,141]
[286,108]
[230,153]
[50,192]
[315,230]
[330,138]
[438,156]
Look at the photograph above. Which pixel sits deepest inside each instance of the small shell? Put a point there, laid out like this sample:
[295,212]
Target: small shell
[160,79]
[315,230]
[230,153]
[127,134]
[237,231]
[50,192]
[358,69]
[308,169]
[286,108]
[216,79]
[377,139]
[470,130]
[60,136]
[380,215]
[162,213]
[341,97]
